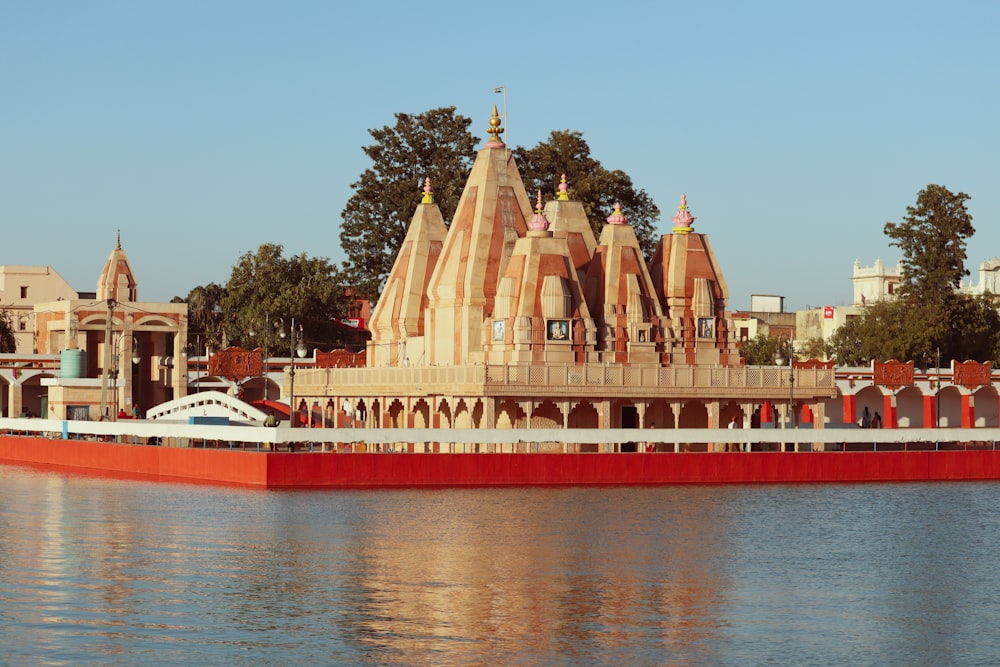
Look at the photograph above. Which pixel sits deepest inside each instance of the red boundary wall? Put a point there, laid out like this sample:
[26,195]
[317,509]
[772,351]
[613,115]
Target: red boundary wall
[332,470]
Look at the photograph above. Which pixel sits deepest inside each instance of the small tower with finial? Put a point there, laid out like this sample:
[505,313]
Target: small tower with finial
[397,321]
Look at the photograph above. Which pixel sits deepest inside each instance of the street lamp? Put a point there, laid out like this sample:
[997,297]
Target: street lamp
[266,336]
[114,372]
[295,346]
[780,360]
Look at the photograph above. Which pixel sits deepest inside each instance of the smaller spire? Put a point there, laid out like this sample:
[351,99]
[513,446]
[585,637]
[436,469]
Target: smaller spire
[563,190]
[617,218]
[539,223]
[428,197]
[495,130]
[683,220]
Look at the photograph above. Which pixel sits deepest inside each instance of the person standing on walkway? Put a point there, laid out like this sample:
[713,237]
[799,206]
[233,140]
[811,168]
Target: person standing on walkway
[733,446]
[866,419]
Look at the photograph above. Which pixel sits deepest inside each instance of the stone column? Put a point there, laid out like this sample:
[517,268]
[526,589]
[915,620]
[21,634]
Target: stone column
[819,422]
[14,399]
[968,410]
[676,409]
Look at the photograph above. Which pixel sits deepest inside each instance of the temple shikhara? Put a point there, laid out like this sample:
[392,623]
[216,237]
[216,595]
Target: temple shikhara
[515,315]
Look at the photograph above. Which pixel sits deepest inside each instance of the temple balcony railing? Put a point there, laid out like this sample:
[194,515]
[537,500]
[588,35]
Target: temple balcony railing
[567,380]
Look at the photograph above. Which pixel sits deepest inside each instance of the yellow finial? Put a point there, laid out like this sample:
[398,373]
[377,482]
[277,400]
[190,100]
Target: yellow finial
[428,197]
[563,190]
[495,130]
[538,205]
[118,245]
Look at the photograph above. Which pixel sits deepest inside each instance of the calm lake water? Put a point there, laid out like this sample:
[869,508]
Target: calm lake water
[112,572]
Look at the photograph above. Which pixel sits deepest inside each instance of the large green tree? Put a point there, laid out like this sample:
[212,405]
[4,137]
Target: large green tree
[435,144]
[7,342]
[267,290]
[932,237]
[598,189]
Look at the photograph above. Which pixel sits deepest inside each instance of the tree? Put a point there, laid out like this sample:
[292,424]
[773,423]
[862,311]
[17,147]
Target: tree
[435,144]
[8,344]
[598,189]
[266,291]
[932,238]
[204,317]
[878,333]
[762,350]
[976,335]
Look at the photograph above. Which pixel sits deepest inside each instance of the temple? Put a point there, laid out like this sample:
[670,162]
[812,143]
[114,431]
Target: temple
[516,316]
[116,353]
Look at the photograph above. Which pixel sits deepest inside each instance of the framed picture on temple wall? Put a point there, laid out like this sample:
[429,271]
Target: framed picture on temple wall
[78,412]
[706,328]
[558,330]
[498,329]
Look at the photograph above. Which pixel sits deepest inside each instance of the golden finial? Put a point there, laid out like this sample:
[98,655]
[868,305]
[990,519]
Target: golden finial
[118,245]
[428,197]
[495,130]
[538,205]
[563,190]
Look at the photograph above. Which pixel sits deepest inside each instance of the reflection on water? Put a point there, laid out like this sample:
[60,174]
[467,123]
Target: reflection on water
[112,572]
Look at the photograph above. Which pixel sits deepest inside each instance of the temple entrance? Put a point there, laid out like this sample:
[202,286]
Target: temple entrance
[629,419]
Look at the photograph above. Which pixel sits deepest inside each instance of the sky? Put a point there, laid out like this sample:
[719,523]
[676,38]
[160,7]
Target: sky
[201,130]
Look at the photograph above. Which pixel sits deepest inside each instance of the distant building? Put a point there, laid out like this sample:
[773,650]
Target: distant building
[875,283]
[21,287]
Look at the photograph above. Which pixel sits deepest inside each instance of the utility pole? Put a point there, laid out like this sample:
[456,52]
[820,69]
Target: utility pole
[106,363]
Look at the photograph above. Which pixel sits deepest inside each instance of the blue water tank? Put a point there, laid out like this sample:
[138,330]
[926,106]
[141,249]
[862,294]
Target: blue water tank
[71,363]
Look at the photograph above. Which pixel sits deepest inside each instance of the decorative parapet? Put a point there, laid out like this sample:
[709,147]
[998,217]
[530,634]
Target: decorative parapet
[340,359]
[579,380]
[812,363]
[972,374]
[892,374]
[235,363]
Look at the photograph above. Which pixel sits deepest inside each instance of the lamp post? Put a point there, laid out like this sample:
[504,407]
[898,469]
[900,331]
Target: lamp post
[295,346]
[780,360]
[937,391]
[117,364]
[266,335]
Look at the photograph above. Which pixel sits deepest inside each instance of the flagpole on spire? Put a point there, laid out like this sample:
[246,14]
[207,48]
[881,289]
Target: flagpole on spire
[506,123]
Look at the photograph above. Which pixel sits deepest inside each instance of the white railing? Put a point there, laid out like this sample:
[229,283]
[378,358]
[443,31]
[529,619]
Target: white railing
[140,431]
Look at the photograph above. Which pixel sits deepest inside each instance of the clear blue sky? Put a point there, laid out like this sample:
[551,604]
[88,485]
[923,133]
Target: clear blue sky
[203,129]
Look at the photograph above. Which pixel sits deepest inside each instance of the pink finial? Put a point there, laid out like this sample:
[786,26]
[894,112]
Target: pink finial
[683,220]
[539,223]
[617,218]
[563,189]
[428,192]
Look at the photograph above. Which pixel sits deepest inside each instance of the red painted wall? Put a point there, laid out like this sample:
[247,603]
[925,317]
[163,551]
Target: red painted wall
[324,469]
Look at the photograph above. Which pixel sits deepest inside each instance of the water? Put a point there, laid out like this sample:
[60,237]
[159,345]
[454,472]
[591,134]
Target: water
[112,572]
